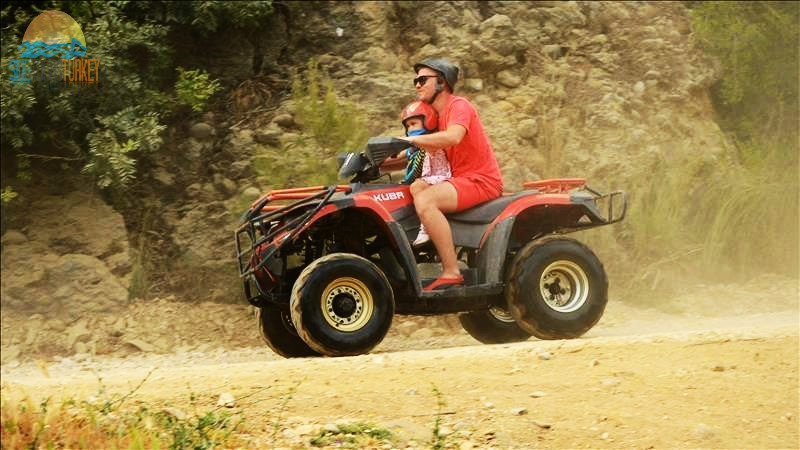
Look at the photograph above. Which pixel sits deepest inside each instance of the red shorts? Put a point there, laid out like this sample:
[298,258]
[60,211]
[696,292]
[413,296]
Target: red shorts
[472,192]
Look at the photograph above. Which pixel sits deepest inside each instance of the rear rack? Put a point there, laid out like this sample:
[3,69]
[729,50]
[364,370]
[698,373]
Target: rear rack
[567,185]
[263,217]
[555,186]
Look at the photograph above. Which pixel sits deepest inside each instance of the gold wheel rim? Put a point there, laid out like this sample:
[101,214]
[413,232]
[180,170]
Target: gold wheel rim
[347,304]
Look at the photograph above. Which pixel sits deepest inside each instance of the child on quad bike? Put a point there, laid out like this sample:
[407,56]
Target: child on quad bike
[420,118]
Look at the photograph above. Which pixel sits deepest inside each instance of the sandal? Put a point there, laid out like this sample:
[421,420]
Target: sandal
[440,284]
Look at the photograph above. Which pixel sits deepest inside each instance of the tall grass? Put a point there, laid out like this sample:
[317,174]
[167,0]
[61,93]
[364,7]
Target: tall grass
[754,225]
[708,220]
[334,124]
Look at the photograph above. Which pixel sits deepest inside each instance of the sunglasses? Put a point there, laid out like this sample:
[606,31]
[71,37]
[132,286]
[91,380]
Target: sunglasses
[422,79]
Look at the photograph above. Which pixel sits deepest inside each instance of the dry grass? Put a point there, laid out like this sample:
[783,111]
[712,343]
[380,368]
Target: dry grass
[109,422]
[713,222]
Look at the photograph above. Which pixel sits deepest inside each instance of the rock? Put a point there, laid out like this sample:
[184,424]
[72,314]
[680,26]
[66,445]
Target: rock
[528,128]
[240,169]
[422,333]
[162,176]
[538,394]
[13,237]
[545,356]
[284,120]
[226,399]
[406,327]
[251,193]
[554,51]
[140,345]
[10,353]
[86,284]
[119,263]
[508,79]
[652,74]
[224,185]
[498,34]
[652,44]
[541,424]
[174,412]
[703,431]
[268,137]
[519,411]
[201,131]
[473,84]
[77,331]
[610,382]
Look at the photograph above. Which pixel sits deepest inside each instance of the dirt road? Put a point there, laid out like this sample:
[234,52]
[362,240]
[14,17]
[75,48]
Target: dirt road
[642,378]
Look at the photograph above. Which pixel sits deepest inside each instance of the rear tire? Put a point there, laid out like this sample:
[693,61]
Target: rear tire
[276,328]
[342,305]
[492,326]
[557,288]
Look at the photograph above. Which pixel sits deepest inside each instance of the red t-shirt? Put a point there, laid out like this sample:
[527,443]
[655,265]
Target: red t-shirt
[473,157]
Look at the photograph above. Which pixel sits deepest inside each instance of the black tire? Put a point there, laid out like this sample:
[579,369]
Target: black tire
[276,328]
[556,289]
[342,305]
[493,326]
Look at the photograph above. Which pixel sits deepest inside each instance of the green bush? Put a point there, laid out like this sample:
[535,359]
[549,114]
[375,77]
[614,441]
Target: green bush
[113,147]
[194,88]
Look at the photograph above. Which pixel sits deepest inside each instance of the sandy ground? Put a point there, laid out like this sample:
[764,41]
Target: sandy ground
[642,378]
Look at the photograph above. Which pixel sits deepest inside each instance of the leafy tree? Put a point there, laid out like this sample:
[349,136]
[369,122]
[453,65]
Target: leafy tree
[757,44]
[194,88]
[107,129]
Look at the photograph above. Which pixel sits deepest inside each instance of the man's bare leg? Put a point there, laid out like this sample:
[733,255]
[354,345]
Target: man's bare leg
[431,204]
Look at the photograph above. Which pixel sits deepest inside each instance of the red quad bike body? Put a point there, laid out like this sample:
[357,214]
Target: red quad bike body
[327,267]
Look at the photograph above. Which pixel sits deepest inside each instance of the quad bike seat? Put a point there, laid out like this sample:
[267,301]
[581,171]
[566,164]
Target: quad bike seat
[485,212]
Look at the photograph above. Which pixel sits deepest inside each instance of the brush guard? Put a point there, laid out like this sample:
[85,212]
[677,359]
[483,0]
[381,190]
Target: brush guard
[266,228]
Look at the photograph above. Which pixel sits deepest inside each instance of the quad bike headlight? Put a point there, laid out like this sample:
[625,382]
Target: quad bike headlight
[352,164]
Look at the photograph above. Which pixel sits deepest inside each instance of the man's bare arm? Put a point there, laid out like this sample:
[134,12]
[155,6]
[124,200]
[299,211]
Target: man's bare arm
[441,139]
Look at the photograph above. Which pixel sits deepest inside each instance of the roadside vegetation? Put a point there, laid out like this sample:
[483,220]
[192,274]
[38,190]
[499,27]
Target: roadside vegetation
[725,220]
[108,420]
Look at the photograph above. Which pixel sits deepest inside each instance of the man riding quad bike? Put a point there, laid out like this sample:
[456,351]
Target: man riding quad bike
[327,267]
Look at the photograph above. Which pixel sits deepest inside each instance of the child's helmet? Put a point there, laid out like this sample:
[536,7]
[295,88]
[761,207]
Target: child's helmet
[422,110]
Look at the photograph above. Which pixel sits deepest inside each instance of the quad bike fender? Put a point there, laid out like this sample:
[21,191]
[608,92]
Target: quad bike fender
[547,213]
[395,223]
[530,217]
[493,251]
[330,208]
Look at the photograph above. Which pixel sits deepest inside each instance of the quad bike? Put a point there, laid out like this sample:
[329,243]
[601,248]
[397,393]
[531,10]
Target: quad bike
[327,267]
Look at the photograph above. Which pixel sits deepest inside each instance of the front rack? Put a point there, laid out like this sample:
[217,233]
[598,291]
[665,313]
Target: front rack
[263,218]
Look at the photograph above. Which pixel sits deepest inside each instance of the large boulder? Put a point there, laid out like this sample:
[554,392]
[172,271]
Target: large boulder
[73,256]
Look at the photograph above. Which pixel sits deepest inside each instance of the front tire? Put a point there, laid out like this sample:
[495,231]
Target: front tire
[557,288]
[342,305]
[276,328]
[492,326]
